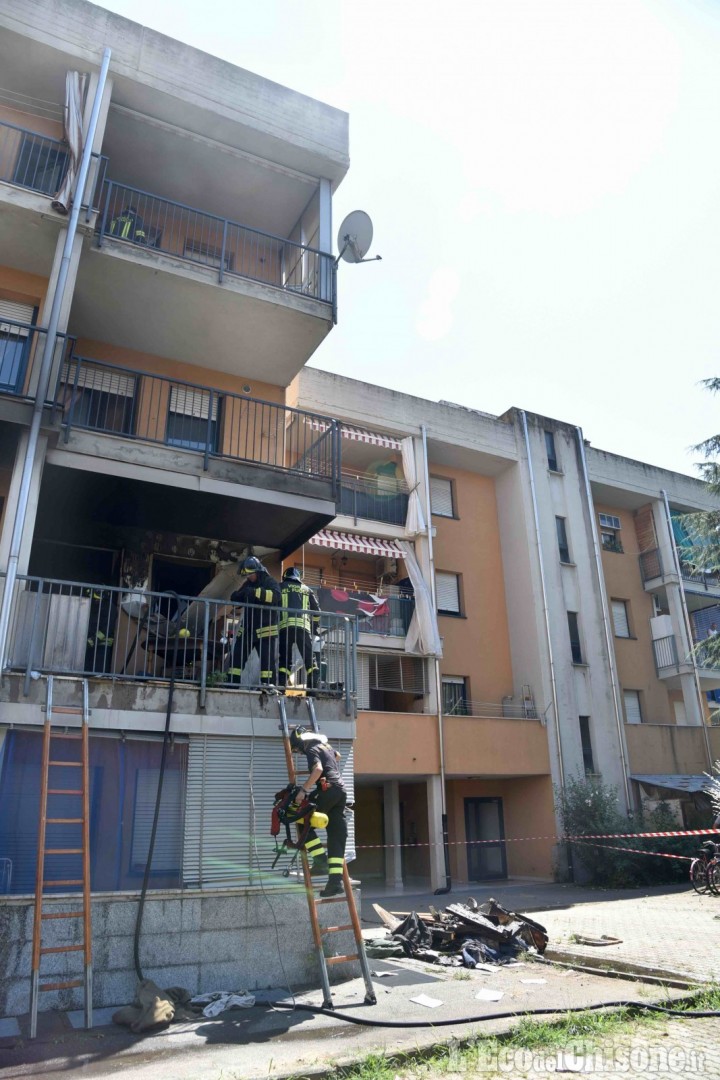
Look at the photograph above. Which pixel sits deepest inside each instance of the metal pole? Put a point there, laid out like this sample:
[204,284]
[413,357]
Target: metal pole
[46,366]
[438,680]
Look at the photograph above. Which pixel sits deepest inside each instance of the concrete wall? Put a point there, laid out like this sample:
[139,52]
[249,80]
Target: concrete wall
[666,748]
[202,941]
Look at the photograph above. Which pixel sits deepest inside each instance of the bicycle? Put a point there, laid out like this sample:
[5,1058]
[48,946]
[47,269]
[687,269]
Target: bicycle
[705,869]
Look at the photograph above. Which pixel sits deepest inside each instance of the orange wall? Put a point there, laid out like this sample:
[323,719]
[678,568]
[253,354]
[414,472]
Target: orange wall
[39,124]
[396,744]
[527,812]
[22,288]
[478,645]
[635,663]
[490,747]
[666,748]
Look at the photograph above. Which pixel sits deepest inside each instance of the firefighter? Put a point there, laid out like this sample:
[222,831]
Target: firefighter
[299,619]
[331,799]
[260,595]
[129,226]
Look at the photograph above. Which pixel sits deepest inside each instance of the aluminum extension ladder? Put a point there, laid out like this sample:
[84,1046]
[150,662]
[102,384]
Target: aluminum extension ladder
[314,902]
[81,791]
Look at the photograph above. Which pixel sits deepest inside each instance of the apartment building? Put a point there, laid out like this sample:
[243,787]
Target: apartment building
[568,620]
[198,284]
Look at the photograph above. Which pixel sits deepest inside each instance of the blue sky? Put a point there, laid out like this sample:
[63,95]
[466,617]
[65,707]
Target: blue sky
[544,182]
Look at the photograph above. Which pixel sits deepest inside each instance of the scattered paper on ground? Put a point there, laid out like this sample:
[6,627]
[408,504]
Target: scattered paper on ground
[535,982]
[428,1002]
[488,995]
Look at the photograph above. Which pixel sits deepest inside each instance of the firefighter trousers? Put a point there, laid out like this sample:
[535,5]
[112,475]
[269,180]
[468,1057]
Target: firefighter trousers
[332,802]
[296,635]
[244,644]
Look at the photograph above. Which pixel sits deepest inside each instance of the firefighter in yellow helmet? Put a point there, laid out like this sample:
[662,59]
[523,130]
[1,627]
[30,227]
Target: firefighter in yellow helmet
[299,618]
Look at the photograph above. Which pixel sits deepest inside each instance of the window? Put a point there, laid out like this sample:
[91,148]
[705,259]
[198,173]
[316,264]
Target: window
[441,497]
[610,533]
[633,712]
[448,593]
[167,854]
[14,343]
[189,422]
[562,540]
[551,453]
[382,678]
[455,696]
[620,618]
[99,398]
[575,646]
[586,742]
[40,165]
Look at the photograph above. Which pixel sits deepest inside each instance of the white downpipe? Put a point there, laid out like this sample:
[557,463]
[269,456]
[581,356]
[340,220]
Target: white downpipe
[438,681]
[606,619]
[543,590]
[46,366]
[688,627]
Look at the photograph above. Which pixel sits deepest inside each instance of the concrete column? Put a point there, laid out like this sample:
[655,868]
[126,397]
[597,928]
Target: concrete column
[64,309]
[325,239]
[437,852]
[393,854]
[99,130]
[32,506]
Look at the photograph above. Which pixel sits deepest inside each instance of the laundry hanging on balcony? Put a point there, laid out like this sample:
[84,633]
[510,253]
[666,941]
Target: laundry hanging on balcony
[361,545]
[74,94]
[374,438]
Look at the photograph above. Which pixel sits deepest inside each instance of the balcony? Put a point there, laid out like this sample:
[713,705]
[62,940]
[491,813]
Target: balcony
[383,612]
[80,629]
[670,665]
[21,350]
[376,498]
[30,160]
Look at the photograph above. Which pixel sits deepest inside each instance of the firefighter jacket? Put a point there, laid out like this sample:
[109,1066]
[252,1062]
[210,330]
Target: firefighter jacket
[302,606]
[128,226]
[261,599]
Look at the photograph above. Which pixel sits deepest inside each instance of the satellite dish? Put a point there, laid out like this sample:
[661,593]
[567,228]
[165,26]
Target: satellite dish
[355,237]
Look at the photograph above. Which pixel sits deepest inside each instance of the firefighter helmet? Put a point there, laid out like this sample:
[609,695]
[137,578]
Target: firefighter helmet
[293,574]
[251,565]
[296,737]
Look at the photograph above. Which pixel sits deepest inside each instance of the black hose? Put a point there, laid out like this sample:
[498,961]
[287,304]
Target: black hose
[446,851]
[153,833]
[636,1005]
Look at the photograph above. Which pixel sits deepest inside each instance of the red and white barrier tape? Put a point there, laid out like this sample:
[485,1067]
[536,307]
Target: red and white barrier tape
[635,851]
[580,838]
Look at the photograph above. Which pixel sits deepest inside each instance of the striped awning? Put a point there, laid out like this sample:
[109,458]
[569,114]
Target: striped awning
[356,434]
[674,781]
[362,545]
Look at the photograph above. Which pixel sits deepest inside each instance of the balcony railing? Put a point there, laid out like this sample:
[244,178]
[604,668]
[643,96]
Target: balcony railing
[21,348]
[375,498]
[216,423]
[39,163]
[148,221]
[491,710]
[385,611]
[666,653]
[85,630]
[707,579]
[651,565]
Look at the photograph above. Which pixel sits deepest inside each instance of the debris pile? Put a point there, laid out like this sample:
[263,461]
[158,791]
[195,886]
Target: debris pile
[463,935]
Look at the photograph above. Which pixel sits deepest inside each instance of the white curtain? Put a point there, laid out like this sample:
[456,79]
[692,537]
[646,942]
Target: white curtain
[74,93]
[422,636]
[415,522]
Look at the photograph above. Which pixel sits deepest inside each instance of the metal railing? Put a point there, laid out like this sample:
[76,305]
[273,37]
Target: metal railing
[374,498]
[30,160]
[383,610]
[651,564]
[21,347]
[491,710]
[666,653]
[85,630]
[708,579]
[158,224]
[153,408]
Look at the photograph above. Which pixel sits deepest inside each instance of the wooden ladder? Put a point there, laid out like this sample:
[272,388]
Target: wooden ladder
[81,791]
[314,902]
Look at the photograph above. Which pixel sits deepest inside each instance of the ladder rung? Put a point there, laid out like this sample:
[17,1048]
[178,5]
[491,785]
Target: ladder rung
[339,899]
[62,985]
[335,929]
[71,709]
[64,820]
[341,959]
[63,791]
[63,851]
[62,948]
[64,735]
[70,881]
[70,764]
[62,914]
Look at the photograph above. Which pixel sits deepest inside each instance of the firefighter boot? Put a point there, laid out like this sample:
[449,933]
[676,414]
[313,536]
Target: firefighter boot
[319,866]
[334,886]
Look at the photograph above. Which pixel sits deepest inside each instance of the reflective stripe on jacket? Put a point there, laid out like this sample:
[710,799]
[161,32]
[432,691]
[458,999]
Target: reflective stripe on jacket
[301,604]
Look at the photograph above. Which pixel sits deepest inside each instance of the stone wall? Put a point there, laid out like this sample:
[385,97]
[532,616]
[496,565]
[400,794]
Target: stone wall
[224,940]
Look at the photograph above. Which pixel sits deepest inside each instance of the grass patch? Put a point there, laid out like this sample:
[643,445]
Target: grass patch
[579,1032]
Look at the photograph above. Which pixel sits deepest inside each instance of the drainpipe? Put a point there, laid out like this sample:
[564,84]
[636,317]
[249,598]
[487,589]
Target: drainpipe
[46,365]
[605,618]
[543,590]
[688,627]
[438,681]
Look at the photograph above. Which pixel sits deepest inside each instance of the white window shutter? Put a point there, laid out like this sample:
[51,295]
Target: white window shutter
[632,707]
[15,313]
[190,401]
[104,380]
[363,680]
[620,619]
[441,500]
[217,812]
[167,853]
[448,592]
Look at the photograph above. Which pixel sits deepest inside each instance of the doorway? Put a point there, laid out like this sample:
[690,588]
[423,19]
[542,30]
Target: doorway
[484,822]
[186,577]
